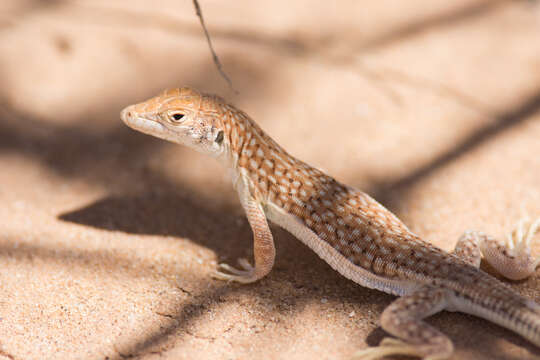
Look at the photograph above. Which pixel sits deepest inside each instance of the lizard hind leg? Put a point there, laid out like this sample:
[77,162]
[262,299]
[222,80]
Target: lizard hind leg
[468,248]
[404,319]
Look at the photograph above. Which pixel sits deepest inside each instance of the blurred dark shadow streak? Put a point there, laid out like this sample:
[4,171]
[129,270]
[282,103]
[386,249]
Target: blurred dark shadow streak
[208,224]
[26,8]
[451,18]
[167,212]
[432,86]
[127,18]
[314,48]
[274,299]
[104,262]
[74,149]
[162,208]
[383,190]
[180,320]
[284,292]
[299,46]
[70,150]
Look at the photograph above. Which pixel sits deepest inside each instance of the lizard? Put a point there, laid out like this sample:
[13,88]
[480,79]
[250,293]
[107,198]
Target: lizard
[348,229]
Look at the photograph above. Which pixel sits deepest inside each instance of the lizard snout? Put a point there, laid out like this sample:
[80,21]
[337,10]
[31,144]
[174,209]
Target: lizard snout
[127,115]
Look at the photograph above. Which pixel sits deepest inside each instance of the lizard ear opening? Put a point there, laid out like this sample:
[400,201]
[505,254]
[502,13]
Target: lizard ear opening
[219,137]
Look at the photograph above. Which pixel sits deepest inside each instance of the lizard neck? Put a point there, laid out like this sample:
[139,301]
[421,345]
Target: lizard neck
[252,154]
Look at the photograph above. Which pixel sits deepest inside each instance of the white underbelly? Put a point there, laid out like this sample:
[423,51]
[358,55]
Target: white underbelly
[337,261]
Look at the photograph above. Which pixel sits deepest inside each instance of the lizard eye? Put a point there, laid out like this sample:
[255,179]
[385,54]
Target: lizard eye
[176,117]
[219,137]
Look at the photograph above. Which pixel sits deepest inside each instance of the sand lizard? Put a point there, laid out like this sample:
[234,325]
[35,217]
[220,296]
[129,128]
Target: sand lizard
[352,232]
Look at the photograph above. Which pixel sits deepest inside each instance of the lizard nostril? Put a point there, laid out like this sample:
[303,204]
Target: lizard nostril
[127,115]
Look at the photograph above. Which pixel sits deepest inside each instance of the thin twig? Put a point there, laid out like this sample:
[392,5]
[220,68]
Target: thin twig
[214,55]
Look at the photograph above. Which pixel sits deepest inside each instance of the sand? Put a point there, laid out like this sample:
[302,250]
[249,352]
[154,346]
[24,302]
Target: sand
[108,237]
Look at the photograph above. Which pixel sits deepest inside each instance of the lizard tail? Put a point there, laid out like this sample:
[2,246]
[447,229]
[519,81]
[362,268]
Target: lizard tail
[504,307]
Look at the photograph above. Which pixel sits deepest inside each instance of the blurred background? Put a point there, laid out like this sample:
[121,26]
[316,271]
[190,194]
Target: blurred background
[108,237]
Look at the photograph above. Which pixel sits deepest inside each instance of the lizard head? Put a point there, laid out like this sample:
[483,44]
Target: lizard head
[183,116]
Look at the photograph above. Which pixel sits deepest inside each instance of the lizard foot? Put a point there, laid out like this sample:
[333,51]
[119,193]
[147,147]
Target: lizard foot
[519,240]
[391,346]
[515,257]
[245,276]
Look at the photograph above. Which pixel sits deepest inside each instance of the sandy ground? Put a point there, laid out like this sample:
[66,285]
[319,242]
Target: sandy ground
[108,237]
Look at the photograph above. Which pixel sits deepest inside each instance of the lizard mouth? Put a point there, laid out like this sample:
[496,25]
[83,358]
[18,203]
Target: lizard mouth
[146,125]
[142,124]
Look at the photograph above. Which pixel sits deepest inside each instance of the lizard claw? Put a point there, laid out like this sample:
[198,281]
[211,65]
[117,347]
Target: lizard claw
[519,240]
[244,263]
[245,276]
[518,246]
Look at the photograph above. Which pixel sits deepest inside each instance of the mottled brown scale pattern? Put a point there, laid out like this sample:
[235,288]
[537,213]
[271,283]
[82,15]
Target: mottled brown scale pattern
[356,235]
[353,223]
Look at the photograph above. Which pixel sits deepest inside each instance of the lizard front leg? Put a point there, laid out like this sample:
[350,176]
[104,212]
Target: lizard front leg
[263,243]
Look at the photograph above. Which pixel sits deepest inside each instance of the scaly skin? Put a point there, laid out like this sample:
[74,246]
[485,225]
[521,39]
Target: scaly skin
[353,233]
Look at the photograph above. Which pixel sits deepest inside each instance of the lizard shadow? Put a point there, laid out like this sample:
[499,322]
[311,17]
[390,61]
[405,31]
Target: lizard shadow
[221,227]
[299,277]
[167,214]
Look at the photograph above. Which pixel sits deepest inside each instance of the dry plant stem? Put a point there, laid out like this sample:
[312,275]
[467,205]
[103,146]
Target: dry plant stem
[214,55]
